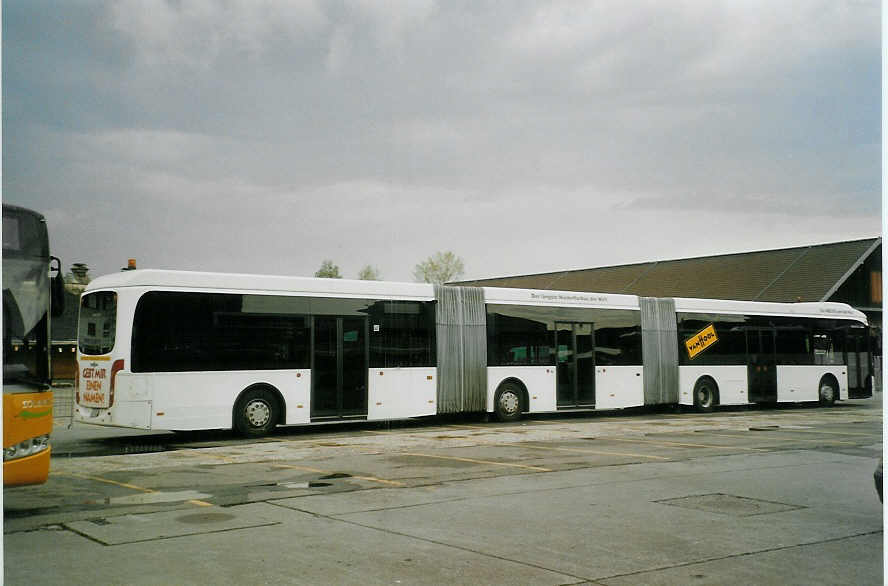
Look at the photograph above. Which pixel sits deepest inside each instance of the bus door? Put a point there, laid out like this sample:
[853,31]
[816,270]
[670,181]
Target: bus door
[339,367]
[857,359]
[575,364]
[761,365]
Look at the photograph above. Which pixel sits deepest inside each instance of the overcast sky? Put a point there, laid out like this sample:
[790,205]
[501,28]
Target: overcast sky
[264,137]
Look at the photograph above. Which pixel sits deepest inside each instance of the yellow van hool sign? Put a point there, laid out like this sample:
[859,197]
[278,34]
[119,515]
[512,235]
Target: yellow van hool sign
[701,341]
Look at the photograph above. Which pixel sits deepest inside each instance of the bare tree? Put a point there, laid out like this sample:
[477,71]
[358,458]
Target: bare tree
[439,268]
[328,270]
[369,273]
[78,274]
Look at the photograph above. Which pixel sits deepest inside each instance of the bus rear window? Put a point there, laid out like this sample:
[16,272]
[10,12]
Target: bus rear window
[98,317]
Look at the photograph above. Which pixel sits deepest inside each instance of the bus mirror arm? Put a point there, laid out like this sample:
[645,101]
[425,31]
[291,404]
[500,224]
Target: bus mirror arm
[57,287]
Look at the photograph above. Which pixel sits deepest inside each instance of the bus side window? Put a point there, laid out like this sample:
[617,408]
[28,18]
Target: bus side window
[823,349]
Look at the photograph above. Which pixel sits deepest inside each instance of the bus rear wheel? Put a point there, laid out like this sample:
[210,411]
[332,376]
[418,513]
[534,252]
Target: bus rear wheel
[507,404]
[256,413]
[828,392]
[705,395]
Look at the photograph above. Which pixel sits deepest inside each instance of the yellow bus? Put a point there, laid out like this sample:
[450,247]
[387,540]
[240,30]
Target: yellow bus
[32,292]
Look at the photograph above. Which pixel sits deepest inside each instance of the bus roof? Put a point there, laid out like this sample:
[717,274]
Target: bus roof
[318,287]
[14,209]
[238,282]
[818,309]
[686,305]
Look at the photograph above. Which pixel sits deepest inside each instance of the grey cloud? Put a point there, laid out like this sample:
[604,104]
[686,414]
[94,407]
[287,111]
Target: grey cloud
[324,127]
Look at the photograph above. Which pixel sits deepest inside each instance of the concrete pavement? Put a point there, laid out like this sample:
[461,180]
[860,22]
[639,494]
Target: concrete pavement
[779,496]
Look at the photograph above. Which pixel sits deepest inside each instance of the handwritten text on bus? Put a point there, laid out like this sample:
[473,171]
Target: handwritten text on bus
[93,377]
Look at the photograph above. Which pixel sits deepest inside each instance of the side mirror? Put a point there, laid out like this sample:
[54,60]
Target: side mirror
[57,287]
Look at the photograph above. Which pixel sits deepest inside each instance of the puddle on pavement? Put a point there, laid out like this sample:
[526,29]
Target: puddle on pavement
[199,518]
[311,484]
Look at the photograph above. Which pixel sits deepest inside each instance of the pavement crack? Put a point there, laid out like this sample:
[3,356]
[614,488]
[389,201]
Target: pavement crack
[740,555]
[581,579]
[82,534]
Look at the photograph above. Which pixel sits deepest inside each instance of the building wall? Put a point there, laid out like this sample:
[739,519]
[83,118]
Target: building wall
[863,289]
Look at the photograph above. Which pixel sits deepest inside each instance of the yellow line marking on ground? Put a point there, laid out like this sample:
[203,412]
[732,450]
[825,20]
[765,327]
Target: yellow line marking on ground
[679,444]
[380,480]
[318,440]
[209,455]
[417,433]
[460,426]
[787,430]
[779,439]
[304,468]
[473,461]
[421,432]
[125,485]
[319,471]
[582,451]
[105,480]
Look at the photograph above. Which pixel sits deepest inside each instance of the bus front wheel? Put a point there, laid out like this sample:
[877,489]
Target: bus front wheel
[256,413]
[705,395]
[828,392]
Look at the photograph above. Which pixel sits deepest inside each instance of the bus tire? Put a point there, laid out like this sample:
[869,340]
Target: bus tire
[705,395]
[828,392]
[256,412]
[507,403]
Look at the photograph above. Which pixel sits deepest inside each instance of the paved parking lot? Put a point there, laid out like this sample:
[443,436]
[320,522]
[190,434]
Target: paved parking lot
[775,495]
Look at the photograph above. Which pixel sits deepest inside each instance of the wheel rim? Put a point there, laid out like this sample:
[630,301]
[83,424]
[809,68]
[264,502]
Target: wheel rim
[827,393]
[704,396]
[258,413]
[509,403]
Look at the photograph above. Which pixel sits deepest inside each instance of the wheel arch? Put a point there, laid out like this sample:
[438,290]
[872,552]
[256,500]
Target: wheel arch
[716,399]
[830,379]
[261,386]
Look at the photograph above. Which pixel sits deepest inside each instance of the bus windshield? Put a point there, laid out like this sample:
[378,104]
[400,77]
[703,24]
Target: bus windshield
[26,294]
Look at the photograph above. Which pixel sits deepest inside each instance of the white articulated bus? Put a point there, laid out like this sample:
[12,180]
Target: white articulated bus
[188,351]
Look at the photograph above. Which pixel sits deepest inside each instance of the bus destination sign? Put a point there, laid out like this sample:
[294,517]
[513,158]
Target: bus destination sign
[701,341]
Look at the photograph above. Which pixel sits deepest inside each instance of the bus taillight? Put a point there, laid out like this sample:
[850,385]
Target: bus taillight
[77,384]
[115,368]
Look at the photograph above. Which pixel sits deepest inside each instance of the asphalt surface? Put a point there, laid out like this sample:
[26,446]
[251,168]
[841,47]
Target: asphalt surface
[782,495]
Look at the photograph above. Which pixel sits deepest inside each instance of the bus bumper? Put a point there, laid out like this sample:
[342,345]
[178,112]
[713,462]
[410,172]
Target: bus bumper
[28,470]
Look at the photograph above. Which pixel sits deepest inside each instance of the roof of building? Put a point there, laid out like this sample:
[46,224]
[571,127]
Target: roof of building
[804,273]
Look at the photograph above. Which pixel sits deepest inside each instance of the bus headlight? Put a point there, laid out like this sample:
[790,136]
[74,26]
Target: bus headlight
[40,443]
[26,448]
